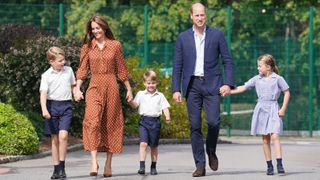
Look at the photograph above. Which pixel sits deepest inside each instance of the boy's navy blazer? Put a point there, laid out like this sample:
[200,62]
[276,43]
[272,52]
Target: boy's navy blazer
[185,57]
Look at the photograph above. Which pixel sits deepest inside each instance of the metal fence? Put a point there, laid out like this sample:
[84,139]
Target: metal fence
[297,55]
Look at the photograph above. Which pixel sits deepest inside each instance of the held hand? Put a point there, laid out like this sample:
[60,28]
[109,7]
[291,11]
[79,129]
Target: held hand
[78,95]
[177,97]
[225,90]
[129,96]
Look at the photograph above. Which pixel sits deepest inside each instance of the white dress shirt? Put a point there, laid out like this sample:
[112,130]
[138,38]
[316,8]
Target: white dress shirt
[199,43]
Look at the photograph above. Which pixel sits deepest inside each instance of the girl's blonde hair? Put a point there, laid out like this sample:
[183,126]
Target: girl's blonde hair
[269,60]
[54,53]
[150,75]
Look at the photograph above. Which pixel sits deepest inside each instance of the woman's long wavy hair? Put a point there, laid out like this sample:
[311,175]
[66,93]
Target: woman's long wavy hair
[102,22]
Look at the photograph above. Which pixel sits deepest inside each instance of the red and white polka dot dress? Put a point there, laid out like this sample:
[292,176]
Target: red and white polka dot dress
[103,119]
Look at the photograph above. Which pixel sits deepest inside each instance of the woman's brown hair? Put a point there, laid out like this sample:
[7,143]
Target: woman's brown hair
[102,22]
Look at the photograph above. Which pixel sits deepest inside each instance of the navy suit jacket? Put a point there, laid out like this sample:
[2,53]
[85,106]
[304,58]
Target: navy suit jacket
[185,58]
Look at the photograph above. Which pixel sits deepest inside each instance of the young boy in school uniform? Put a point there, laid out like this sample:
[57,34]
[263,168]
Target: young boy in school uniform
[56,88]
[151,103]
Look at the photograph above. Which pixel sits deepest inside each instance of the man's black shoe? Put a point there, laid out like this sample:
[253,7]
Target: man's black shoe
[199,172]
[213,161]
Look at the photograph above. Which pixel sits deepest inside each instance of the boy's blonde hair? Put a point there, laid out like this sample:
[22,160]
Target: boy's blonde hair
[150,75]
[54,53]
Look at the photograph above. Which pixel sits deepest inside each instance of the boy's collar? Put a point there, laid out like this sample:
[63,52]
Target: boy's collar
[54,71]
[147,92]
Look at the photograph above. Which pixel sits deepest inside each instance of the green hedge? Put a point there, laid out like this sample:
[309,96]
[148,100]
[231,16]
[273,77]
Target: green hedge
[17,134]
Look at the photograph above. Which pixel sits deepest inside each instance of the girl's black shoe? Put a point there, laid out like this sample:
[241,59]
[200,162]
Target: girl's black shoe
[280,170]
[270,171]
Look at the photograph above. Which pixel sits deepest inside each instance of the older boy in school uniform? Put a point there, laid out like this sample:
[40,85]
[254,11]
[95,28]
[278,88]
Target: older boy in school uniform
[151,103]
[56,88]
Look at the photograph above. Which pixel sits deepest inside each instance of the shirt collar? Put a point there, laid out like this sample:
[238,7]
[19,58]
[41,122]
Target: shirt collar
[155,93]
[204,30]
[51,70]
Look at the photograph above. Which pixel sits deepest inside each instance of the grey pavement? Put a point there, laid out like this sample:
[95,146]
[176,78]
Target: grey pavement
[240,160]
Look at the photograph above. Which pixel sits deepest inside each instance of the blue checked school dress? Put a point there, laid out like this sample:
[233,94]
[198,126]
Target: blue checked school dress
[265,119]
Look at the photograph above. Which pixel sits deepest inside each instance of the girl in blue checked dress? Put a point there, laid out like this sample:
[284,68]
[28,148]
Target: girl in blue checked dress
[266,119]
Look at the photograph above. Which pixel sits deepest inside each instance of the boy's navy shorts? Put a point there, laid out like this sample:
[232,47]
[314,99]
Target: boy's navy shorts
[61,116]
[149,130]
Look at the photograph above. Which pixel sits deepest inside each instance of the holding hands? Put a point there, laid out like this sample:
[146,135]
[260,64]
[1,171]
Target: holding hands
[225,90]
[129,96]
[78,95]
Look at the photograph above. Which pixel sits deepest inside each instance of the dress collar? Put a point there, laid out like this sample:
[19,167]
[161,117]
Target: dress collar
[272,75]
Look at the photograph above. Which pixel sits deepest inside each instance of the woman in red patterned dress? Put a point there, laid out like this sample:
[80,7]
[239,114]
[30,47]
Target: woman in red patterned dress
[103,119]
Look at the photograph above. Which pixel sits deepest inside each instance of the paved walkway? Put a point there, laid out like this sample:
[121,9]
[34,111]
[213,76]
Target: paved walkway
[240,160]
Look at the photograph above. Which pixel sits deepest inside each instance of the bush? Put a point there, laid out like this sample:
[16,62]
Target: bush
[17,135]
[37,121]
[13,35]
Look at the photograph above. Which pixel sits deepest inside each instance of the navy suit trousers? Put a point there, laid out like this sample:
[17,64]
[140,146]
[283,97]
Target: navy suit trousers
[199,98]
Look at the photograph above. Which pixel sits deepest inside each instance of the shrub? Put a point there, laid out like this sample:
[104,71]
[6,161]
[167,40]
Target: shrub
[17,135]
[37,121]
[15,35]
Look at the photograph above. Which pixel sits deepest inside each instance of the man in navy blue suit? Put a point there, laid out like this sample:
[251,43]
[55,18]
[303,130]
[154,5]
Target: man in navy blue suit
[197,75]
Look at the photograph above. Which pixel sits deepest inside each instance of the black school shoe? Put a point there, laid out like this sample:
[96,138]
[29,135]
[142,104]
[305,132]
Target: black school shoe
[153,171]
[142,171]
[280,170]
[270,171]
[62,174]
[55,175]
